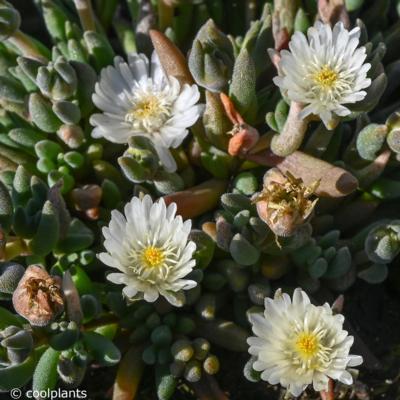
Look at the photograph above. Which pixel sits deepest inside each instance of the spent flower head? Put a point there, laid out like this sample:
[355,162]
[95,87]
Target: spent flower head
[298,344]
[324,71]
[285,202]
[38,297]
[138,99]
[149,246]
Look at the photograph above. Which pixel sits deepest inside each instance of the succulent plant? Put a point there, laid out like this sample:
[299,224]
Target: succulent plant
[273,172]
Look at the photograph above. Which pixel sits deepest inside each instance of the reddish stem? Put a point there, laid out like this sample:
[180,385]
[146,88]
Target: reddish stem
[328,395]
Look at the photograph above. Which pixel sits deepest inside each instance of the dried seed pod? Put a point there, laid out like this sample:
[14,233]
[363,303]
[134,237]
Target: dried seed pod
[38,297]
[86,197]
[285,203]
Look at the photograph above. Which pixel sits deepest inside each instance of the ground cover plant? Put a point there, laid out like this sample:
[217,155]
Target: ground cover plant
[199,199]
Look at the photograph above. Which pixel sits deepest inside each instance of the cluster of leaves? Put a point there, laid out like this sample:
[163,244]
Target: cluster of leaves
[58,185]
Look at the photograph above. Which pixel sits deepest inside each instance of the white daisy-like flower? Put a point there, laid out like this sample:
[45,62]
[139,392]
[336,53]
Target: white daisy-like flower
[138,99]
[149,246]
[298,344]
[325,71]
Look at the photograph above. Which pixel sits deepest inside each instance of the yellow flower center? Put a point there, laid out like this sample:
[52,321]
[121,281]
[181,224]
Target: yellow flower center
[326,77]
[307,345]
[153,256]
[146,108]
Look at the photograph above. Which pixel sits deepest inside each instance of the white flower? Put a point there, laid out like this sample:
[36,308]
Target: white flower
[298,344]
[150,248]
[325,72]
[140,100]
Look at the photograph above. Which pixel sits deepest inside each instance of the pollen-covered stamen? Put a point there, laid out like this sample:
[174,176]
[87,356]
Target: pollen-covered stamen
[307,345]
[153,256]
[150,110]
[309,350]
[328,83]
[326,77]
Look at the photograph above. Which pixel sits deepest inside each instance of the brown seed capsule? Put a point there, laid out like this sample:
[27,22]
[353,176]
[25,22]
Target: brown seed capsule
[285,203]
[38,296]
[86,197]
